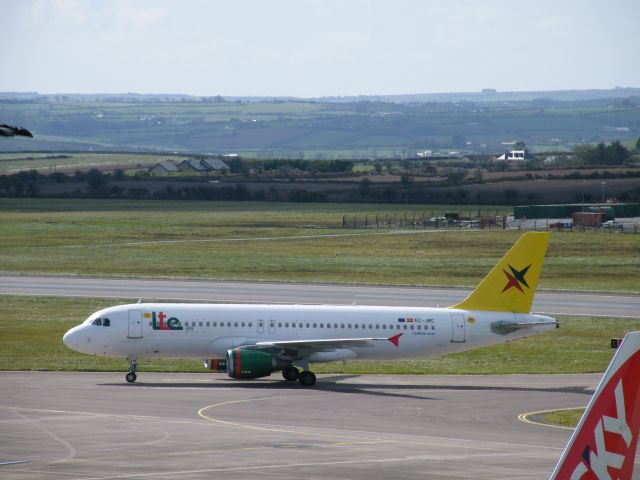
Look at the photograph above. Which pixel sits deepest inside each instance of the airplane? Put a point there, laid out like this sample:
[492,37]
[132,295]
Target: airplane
[254,340]
[603,445]
[10,131]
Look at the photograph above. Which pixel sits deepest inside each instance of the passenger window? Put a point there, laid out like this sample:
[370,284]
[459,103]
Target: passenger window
[411,327]
[419,327]
[106,322]
[250,324]
[322,325]
[370,326]
[235,324]
[377,326]
[342,325]
[308,325]
[349,325]
[404,326]
[200,324]
[215,324]
[384,327]
[208,324]
[356,325]
[315,325]
[228,324]
[335,325]
[279,324]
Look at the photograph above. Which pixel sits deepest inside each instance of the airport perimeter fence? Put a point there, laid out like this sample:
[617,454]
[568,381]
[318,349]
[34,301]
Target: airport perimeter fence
[422,221]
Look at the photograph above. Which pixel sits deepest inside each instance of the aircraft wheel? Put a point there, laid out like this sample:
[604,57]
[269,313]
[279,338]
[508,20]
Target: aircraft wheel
[131,377]
[307,379]
[290,374]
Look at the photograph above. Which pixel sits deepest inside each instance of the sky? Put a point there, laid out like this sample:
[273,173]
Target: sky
[315,48]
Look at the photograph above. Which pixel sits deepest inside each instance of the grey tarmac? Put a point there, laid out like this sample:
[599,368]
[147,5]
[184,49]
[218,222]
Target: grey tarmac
[551,303]
[195,426]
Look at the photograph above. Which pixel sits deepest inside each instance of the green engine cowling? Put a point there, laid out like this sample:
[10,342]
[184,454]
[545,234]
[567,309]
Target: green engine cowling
[242,363]
[216,364]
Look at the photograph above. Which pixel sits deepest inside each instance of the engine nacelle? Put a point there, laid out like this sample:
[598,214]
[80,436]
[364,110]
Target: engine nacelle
[216,364]
[242,363]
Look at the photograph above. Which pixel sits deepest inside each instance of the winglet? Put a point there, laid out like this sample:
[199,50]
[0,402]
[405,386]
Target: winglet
[604,442]
[395,339]
[510,285]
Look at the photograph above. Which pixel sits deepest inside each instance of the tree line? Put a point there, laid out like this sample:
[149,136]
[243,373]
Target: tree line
[613,154]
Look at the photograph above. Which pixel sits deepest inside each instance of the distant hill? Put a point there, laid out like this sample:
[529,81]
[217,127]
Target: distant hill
[333,127]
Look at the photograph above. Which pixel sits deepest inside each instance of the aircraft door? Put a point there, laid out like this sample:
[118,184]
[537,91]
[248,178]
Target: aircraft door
[458,333]
[135,324]
[261,326]
[272,327]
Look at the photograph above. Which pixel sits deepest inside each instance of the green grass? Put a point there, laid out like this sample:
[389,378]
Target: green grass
[565,418]
[46,163]
[32,330]
[285,242]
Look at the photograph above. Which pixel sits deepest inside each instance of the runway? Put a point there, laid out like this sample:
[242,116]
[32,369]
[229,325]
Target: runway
[95,426]
[552,303]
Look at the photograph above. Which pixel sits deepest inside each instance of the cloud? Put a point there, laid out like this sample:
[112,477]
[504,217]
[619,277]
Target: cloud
[96,15]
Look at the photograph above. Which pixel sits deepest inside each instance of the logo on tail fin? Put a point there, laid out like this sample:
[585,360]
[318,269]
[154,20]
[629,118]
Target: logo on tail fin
[603,445]
[516,278]
[599,460]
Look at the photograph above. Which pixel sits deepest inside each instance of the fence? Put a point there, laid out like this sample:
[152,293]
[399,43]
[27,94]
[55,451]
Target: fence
[452,221]
[416,220]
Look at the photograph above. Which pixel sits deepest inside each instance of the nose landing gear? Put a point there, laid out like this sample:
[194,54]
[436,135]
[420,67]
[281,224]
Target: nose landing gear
[131,375]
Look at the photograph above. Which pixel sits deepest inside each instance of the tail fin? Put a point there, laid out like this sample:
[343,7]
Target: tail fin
[510,285]
[604,443]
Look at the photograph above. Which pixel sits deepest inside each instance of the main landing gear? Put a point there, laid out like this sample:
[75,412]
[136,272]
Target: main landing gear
[306,378]
[131,375]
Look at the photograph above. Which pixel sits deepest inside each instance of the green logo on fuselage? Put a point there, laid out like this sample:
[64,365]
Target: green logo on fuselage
[159,323]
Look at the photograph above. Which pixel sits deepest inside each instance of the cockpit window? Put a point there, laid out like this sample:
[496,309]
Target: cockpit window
[104,322]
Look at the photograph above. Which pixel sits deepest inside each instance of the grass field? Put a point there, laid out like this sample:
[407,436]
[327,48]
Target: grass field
[33,327]
[68,162]
[565,418]
[285,242]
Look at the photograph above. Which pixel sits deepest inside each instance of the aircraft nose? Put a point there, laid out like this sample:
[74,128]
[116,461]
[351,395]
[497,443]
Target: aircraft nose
[72,338]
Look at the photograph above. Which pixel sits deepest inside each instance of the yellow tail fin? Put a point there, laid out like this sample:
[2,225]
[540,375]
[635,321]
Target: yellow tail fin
[510,285]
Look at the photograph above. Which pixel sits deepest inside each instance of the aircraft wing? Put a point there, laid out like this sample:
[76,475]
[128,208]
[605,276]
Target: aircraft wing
[321,344]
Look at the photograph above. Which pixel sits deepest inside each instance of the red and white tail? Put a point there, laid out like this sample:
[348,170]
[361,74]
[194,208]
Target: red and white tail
[603,445]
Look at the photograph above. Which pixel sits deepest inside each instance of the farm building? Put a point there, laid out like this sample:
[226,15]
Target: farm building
[203,165]
[215,164]
[515,155]
[163,168]
[192,165]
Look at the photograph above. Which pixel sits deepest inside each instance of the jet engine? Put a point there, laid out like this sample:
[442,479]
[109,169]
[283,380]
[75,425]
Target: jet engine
[243,363]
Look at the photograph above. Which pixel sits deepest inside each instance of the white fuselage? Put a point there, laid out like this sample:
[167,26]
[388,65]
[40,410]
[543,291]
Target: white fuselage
[164,330]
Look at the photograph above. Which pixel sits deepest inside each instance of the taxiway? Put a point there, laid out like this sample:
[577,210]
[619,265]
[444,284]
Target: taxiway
[95,426]
[550,303]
